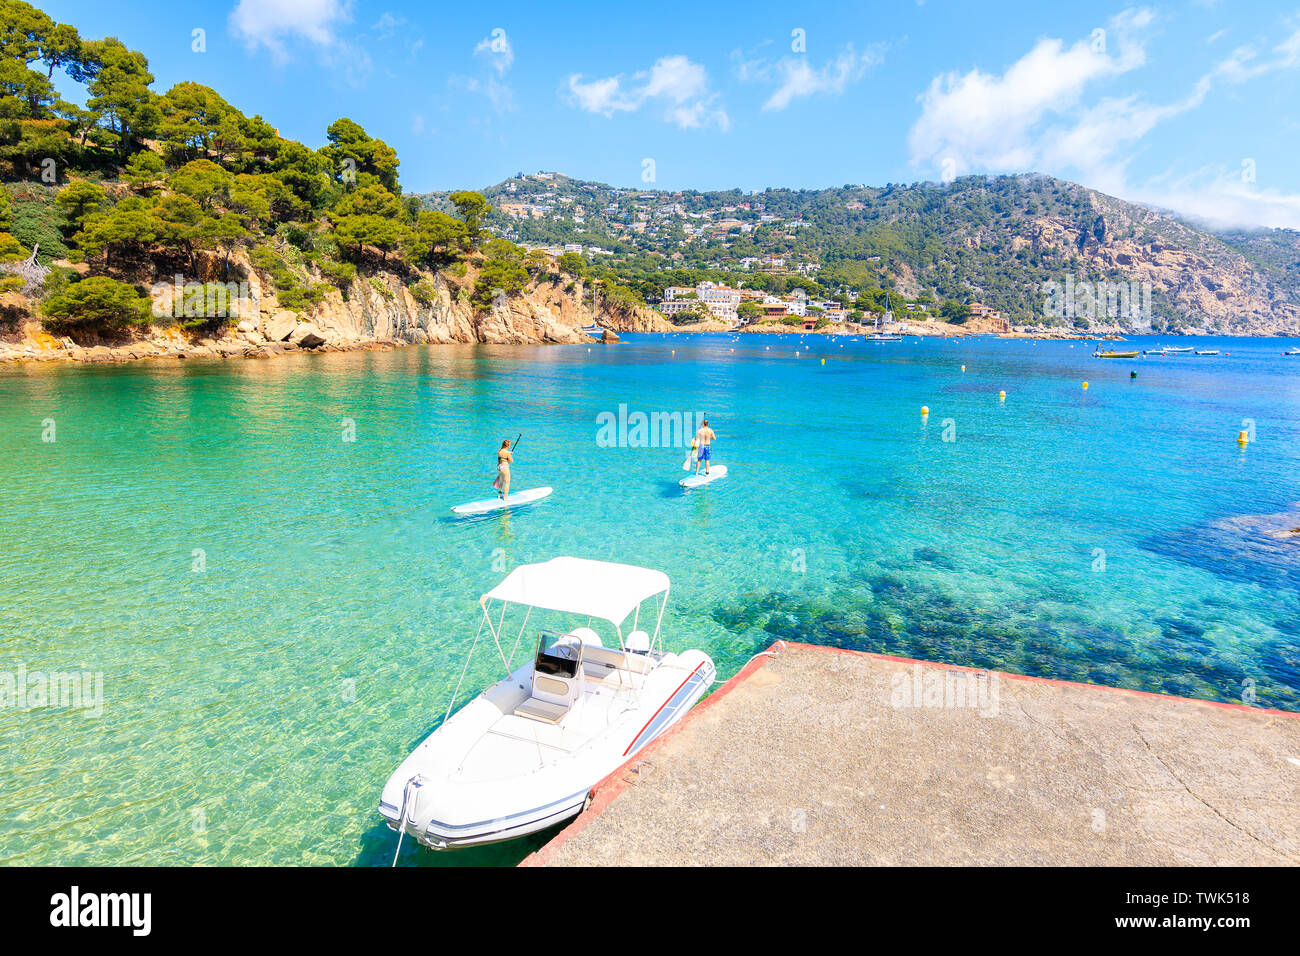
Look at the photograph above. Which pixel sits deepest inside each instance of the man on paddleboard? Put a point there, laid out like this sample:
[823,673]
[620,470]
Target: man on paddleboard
[703,438]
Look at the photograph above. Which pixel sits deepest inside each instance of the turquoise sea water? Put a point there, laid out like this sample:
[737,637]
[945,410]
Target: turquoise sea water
[253,709]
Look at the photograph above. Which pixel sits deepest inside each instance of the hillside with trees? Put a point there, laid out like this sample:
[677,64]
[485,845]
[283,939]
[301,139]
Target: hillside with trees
[140,185]
[989,239]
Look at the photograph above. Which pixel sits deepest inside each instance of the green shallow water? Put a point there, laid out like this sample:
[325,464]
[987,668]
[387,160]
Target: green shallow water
[270,695]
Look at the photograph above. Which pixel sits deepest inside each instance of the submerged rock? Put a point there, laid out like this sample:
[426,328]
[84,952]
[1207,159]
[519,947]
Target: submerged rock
[1262,549]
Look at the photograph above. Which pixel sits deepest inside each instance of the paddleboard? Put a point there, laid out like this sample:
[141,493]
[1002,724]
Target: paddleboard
[695,481]
[488,505]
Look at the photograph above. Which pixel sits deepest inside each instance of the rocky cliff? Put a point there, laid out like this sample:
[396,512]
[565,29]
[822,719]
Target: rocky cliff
[375,311]
[1195,272]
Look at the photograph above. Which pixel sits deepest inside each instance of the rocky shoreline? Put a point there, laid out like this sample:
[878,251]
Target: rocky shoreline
[378,313]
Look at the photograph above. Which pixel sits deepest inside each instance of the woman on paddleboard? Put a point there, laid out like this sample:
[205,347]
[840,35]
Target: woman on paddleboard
[504,457]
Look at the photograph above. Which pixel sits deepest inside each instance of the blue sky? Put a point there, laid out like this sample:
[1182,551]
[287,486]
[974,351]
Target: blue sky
[1190,106]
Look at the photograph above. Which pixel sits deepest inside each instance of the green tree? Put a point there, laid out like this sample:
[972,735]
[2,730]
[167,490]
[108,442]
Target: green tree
[432,238]
[192,120]
[503,272]
[572,264]
[144,170]
[96,302]
[473,209]
[80,198]
[351,152]
[128,228]
[958,313]
[120,94]
[368,216]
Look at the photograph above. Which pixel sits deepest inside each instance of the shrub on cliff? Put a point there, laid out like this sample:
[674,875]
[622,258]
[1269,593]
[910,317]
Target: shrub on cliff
[97,303]
[503,273]
[423,292]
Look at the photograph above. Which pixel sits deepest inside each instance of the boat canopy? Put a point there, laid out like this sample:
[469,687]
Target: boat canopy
[599,589]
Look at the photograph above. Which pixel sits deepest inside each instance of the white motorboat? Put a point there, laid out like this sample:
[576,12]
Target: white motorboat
[524,754]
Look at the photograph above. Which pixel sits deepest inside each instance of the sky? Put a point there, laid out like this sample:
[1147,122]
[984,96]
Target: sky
[1189,106]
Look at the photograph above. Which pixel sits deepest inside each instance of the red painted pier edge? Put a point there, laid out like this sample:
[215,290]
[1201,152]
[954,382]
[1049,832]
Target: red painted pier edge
[605,792]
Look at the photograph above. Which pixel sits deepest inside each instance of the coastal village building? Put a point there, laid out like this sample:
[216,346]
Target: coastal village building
[720,300]
[980,311]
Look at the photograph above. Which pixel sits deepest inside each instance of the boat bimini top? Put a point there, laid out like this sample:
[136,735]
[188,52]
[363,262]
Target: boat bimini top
[597,589]
[577,587]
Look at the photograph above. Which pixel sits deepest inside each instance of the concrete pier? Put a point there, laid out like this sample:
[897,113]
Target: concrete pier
[819,756]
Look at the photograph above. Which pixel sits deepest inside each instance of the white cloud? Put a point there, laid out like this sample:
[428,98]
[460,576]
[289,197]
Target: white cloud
[1034,116]
[273,23]
[678,86]
[496,47]
[796,77]
[1222,198]
[980,120]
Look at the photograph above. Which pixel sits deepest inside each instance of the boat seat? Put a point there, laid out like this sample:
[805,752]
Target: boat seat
[542,710]
[602,655]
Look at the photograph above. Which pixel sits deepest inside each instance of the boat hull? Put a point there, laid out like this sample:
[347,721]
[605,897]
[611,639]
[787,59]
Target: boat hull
[447,795]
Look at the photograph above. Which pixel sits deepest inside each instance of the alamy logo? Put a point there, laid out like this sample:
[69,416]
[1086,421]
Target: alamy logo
[944,689]
[202,300]
[73,909]
[1122,301]
[67,690]
[642,430]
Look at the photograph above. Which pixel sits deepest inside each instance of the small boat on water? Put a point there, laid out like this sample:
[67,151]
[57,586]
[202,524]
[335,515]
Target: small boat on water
[524,754]
[1207,351]
[595,331]
[1114,355]
[1169,350]
[879,336]
[1295,351]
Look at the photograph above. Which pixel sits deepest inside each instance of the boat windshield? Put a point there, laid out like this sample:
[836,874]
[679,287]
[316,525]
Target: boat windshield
[557,657]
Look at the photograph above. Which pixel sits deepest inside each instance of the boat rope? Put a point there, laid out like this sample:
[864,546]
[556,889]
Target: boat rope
[401,819]
[771,651]
[468,657]
[519,637]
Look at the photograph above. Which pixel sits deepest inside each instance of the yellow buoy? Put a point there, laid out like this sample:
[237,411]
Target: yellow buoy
[963,368]
[1085,384]
[925,409]
[1243,438]
[823,361]
[1002,395]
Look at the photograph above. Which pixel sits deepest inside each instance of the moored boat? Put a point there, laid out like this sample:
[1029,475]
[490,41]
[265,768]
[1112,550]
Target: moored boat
[1114,355]
[524,753]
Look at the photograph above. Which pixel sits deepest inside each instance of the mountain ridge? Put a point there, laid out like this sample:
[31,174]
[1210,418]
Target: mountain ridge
[993,239]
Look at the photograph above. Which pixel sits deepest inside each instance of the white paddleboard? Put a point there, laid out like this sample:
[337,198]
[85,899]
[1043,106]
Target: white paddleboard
[695,481]
[488,505]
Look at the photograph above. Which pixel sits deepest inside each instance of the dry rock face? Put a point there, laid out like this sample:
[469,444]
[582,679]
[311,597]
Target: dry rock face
[1199,274]
[377,312]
